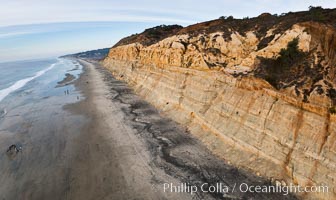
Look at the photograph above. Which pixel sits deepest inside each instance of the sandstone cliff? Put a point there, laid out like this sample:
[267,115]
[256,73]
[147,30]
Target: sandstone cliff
[229,81]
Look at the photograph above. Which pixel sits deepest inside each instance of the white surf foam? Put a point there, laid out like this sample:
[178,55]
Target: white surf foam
[19,84]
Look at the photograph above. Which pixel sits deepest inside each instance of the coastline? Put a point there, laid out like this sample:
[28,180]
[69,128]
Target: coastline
[110,144]
[157,149]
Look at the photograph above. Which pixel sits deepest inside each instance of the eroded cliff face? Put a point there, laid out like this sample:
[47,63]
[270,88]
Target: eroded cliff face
[212,84]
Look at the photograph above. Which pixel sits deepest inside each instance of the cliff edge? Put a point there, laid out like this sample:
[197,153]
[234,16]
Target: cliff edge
[259,92]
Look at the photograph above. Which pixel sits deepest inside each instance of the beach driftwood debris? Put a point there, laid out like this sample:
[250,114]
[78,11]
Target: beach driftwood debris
[14,149]
[3,113]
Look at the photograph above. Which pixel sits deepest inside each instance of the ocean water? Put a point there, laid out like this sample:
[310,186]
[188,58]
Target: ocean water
[34,81]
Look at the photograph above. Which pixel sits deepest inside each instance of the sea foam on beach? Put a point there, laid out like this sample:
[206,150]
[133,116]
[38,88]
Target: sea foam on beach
[20,83]
[25,82]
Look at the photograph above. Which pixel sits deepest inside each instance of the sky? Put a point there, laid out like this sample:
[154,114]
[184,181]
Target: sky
[32,29]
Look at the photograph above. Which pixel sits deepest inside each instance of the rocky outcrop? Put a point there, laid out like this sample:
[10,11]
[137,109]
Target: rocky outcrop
[213,85]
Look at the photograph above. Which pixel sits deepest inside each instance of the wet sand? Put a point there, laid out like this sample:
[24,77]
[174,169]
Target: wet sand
[111,145]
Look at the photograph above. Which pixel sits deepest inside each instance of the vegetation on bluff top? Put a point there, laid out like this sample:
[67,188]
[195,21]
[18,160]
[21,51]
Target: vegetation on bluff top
[259,25]
[93,54]
[151,35]
[294,68]
[283,68]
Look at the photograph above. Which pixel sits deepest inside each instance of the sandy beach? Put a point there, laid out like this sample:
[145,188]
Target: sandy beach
[110,144]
